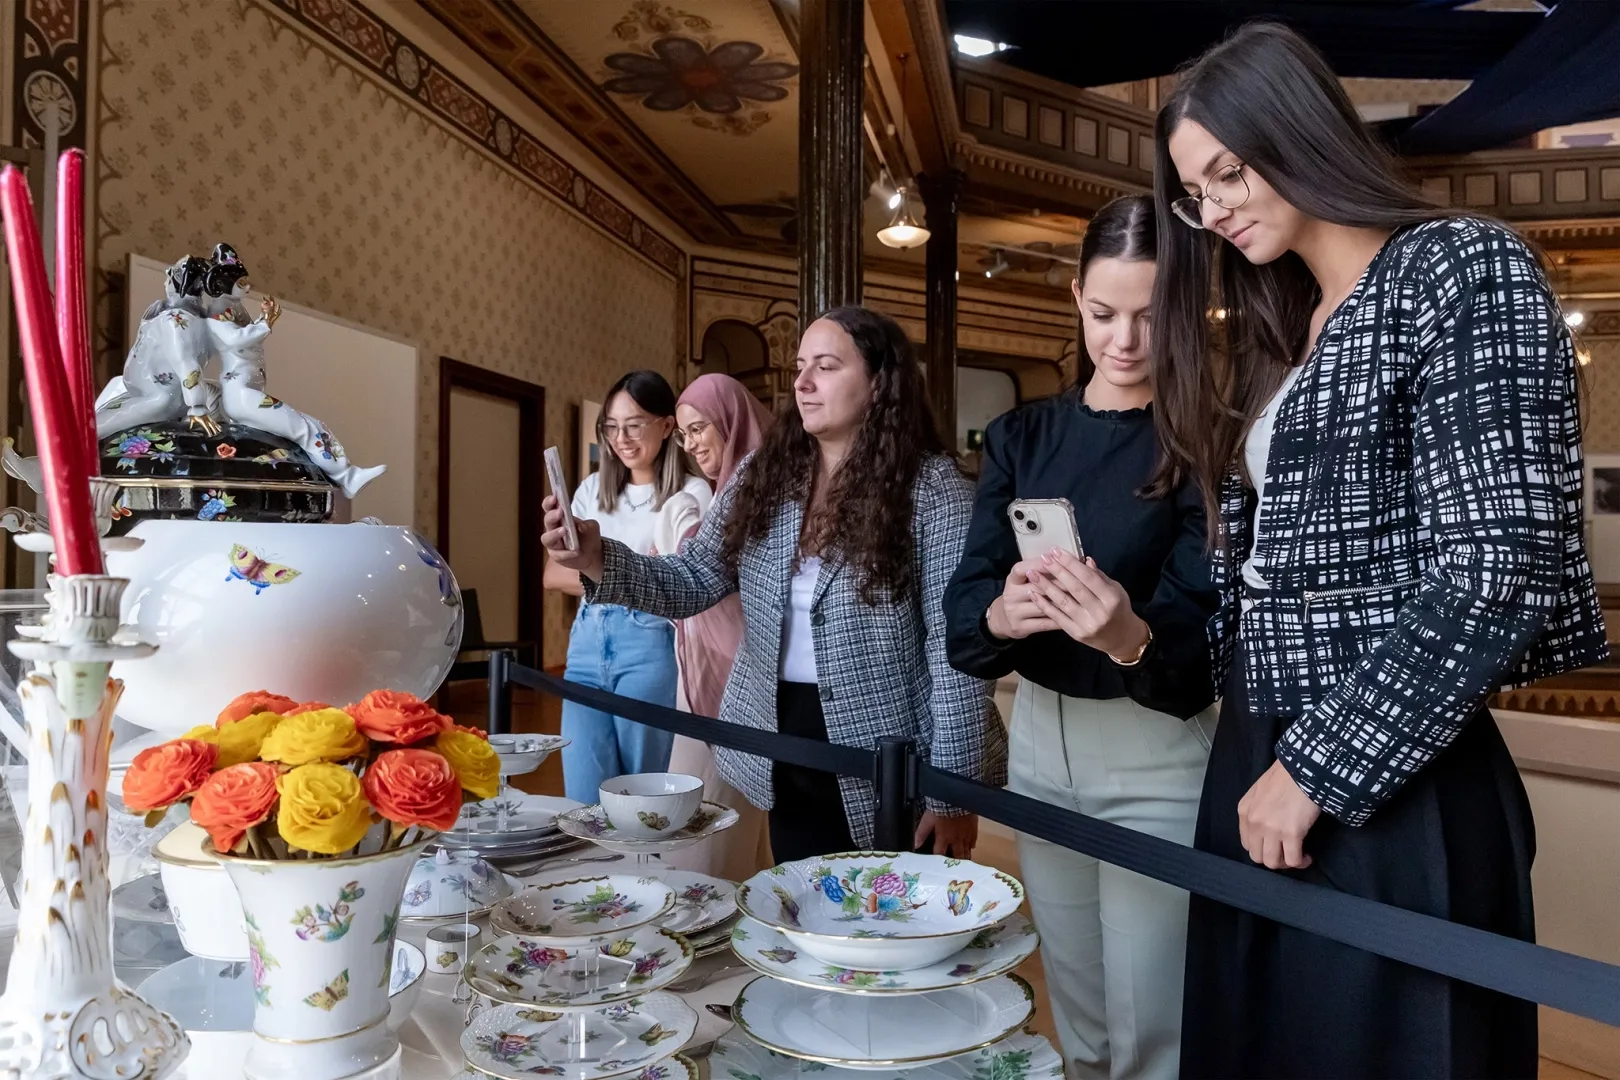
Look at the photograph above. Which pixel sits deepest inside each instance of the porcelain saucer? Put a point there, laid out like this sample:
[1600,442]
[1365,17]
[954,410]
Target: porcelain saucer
[995,951]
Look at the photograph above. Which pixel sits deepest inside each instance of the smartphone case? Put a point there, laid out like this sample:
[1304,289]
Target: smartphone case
[1042,525]
[559,488]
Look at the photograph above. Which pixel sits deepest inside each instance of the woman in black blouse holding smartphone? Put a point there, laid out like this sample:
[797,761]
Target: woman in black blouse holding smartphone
[1112,716]
[1398,385]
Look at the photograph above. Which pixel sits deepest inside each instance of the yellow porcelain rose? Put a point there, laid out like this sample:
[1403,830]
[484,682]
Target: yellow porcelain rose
[307,737]
[476,765]
[322,809]
[240,740]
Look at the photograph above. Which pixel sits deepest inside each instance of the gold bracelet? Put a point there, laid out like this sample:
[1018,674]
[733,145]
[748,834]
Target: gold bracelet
[1137,659]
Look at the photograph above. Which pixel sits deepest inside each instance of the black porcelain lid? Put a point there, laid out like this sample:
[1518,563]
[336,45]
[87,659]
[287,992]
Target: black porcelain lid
[171,470]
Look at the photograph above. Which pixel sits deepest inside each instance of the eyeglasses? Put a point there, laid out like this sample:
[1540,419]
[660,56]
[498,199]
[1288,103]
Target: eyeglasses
[1228,191]
[686,436]
[633,430]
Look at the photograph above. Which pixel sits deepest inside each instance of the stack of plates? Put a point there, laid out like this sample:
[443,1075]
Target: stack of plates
[514,824]
[880,962]
[634,1038]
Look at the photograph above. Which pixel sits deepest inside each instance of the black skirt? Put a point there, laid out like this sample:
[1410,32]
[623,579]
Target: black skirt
[1265,1000]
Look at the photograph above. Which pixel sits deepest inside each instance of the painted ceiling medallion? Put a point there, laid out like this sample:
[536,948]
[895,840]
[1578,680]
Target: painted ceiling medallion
[712,81]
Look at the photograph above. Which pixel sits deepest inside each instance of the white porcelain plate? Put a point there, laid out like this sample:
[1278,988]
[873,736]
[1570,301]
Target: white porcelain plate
[516,1042]
[1020,1056]
[525,815]
[993,951]
[519,970]
[701,902]
[885,911]
[671,1068]
[591,823]
[453,885]
[876,1033]
[584,908]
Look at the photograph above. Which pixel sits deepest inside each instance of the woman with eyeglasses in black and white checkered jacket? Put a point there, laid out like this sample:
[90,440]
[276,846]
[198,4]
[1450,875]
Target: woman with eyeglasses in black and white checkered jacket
[1388,425]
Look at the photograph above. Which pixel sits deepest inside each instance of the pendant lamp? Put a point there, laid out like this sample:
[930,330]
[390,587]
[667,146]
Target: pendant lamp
[903,231]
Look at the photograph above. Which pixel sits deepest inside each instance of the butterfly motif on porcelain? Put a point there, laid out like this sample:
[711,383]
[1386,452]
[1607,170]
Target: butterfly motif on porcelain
[253,568]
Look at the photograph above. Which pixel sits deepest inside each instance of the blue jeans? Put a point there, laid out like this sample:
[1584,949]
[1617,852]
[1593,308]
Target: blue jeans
[624,652]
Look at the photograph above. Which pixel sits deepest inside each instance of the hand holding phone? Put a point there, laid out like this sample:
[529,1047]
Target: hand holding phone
[559,490]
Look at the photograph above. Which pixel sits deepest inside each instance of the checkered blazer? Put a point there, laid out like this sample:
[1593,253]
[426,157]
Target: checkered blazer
[882,669]
[1422,529]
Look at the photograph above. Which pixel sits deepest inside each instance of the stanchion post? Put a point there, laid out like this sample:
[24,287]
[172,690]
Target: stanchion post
[894,825]
[500,692]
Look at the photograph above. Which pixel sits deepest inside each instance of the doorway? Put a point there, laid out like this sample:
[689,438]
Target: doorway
[491,460]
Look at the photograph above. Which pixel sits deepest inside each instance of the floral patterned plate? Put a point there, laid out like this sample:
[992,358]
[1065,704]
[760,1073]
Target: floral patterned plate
[511,817]
[1018,1057]
[519,1041]
[584,909]
[701,902]
[519,970]
[671,1068]
[591,823]
[880,910]
[870,1034]
[995,951]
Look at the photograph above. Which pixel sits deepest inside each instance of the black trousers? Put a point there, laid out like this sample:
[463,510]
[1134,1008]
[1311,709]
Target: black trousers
[1265,1000]
[808,818]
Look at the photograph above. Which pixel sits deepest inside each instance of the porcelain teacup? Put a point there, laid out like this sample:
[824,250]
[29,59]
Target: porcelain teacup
[651,806]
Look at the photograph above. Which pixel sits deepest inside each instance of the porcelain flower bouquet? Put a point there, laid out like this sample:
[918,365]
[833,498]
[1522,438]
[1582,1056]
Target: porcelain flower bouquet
[318,814]
[276,779]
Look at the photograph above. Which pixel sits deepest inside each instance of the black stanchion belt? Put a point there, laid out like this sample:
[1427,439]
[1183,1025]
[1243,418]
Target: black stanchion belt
[1536,973]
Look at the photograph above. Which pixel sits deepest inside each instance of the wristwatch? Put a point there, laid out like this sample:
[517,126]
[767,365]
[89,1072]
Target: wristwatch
[1137,659]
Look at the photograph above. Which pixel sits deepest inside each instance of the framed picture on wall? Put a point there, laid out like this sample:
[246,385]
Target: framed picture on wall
[1602,485]
[590,451]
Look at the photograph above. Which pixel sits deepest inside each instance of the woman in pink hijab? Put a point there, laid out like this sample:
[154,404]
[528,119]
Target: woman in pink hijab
[719,424]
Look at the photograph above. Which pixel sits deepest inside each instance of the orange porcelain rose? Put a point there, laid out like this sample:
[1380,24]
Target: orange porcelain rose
[414,787]
[254,701]
[234,800]
[162,775]
[392,717]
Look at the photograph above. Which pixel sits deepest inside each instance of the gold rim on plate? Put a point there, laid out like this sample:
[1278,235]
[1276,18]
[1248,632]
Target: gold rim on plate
[866,1063]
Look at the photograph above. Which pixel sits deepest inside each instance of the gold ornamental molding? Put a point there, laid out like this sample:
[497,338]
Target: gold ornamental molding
[993,159]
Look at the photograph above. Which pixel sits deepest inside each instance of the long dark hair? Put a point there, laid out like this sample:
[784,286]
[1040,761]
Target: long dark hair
[1123,229]
[867,519]
[652,392]
[1273,101]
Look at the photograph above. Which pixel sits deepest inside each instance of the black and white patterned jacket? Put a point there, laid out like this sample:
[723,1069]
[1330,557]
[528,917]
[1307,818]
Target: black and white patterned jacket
[1422,533]
[882,668]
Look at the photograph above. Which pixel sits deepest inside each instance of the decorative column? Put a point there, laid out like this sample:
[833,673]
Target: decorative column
[832,49]
[940,194]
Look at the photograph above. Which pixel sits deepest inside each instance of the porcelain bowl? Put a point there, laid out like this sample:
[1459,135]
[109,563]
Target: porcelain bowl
[449,884]
[316,612]
[206,910]
[880,911]
[651,806]
[570,912]
[213,1001]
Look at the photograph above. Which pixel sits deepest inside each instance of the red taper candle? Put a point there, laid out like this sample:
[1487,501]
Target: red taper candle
[56,424]
[72,308]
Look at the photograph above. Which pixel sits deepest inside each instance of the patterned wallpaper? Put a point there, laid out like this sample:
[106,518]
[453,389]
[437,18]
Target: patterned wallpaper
[224,119]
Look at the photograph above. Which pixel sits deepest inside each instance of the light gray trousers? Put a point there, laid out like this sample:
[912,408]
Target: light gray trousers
[1113,942]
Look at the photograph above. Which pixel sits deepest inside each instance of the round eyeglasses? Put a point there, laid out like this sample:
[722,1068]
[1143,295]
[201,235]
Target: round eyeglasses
[687,436]
[1228,190]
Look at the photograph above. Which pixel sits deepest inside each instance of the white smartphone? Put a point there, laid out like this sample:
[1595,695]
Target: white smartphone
[1043,525]
[559,488]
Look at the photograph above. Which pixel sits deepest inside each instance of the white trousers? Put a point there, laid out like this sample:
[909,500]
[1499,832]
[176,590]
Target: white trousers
[1113,942]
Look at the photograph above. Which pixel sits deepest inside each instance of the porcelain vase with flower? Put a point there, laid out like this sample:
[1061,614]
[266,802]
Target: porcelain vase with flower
[321,943]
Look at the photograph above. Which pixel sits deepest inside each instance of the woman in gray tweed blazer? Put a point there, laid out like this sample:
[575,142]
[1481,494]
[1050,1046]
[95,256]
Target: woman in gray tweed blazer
[839,535]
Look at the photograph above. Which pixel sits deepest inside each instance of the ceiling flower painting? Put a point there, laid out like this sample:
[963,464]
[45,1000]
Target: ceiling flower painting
[679,66]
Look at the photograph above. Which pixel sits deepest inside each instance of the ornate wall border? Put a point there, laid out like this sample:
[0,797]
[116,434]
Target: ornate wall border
[401,63]
[49,60]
